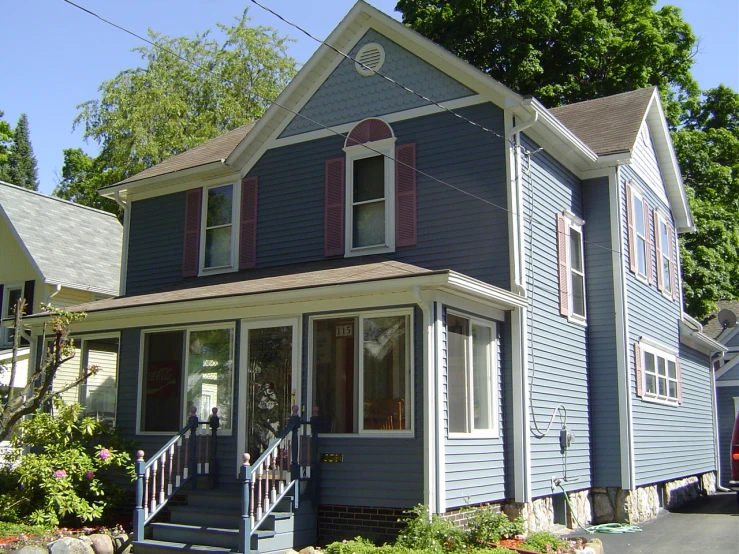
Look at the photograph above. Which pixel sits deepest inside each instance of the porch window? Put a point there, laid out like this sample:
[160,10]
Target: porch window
[10,299]
[184,368]
[362,373]
[471,375]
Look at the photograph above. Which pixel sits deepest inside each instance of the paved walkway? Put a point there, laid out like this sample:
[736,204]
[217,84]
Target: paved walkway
[708,525]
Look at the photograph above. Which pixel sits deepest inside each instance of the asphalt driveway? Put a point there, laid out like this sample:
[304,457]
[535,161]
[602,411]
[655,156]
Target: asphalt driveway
[708,525]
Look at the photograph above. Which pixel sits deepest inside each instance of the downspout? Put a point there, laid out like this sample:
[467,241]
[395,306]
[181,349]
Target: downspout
[519,326]
[124,249]
[430,424]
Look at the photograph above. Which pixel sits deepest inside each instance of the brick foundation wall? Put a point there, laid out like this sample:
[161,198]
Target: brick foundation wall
[336,523]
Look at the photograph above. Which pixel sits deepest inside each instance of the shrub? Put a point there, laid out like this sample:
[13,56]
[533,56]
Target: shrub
[72,464]
[543,541]
[488,526]
[433,533]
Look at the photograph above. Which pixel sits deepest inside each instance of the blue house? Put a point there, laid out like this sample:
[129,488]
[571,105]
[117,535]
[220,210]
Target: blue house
[472,299]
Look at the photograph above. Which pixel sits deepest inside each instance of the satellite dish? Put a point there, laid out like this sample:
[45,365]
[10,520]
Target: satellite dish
[726,318]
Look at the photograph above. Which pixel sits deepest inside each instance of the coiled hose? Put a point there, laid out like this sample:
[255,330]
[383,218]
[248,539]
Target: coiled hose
[603,527]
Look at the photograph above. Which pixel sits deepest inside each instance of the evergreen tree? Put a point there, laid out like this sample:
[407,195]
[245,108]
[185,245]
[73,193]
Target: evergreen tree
[6,139]
[22,170]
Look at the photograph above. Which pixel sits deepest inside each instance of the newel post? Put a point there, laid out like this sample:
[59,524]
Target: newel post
[139,517]
[246,503]
[315,468]
[215,423]
[192,422]
[295,424]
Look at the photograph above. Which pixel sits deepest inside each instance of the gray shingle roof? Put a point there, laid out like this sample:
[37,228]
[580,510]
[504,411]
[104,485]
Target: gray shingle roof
[607,125]
[713,327]
[71,245]
[211,151]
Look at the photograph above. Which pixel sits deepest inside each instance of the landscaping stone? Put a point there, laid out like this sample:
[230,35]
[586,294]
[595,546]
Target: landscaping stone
[70,545]
[102,544]
[309,550]
[32,549]
[596,545]
[122,544]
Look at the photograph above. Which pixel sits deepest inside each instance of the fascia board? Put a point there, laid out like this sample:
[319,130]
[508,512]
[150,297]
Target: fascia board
[699,341]
[501,298]
[192,173]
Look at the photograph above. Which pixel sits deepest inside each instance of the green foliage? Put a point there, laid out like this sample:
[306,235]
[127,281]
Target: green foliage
[14,529]
[190,90]
[81,178]
[707,148]
[564,52]
[488,526]
[430,532]
[20,168]
[6,139]
[69,470]
[543,541]
[364,546]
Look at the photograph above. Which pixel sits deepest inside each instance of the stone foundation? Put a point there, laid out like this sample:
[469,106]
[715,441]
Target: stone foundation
[538,515]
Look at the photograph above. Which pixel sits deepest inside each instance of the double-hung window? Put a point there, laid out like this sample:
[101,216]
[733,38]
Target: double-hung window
[362,373]
[184,368]
[571,266]
[639,233]
[218,227]
[10,300]
[658,373]
[471,379]
[665,249]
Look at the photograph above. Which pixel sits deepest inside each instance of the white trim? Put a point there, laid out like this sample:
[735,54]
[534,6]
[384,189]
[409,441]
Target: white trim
[385,148]
[368,70]
[235,221]
[574,222]
[297,349]
[732,383]
[728,366]
[438,415]
[657,345]
[521,421]
[359,316]
[186,330]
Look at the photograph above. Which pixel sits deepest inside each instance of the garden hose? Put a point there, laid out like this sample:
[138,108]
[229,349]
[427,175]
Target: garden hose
[604,527]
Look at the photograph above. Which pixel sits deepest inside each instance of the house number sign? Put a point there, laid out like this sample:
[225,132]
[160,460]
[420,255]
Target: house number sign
[345,330]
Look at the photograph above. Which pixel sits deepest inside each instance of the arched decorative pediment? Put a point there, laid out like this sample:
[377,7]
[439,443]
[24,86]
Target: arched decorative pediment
[369,130]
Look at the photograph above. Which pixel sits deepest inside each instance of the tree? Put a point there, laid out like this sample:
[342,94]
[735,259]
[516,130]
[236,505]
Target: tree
[21,165]
[18,402]
[565,52]
[191,90]
[707,148]
[81,179]
[6,138]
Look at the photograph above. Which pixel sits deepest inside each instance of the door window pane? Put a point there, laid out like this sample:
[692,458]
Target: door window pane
[333,374]
[482,377]
[162,382]
[210,374]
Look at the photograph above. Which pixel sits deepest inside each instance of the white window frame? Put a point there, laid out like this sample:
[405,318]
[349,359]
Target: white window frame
[235,225]
[638,195]
[5,341]
[360,316]
[651,347]
[664,253]
[187,329]
[576,223]
[386,148]
[83,386]
[493,379]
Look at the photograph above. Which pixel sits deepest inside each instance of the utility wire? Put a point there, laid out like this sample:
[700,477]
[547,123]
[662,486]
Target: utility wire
[333,131]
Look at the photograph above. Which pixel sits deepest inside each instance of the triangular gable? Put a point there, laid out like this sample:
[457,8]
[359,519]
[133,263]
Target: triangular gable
[644,160]
[346,96]
[18,264]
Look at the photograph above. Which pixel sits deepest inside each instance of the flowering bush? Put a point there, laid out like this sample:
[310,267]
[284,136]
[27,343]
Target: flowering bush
[70,469]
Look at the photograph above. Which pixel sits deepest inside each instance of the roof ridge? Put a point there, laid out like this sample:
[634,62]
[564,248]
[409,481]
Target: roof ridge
[50,197]
[610,96]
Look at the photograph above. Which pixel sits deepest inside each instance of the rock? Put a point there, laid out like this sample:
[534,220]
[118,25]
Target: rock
[121,543]
[309,550]
[102,544]
[596,545]
[70,545]
[32,549]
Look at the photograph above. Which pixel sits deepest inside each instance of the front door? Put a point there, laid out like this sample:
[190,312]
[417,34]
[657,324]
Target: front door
[269,382]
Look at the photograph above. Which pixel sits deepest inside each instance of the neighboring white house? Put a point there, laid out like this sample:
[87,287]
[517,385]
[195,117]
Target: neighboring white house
[54,251]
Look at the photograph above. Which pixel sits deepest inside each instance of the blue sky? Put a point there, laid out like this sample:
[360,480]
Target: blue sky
[55,56]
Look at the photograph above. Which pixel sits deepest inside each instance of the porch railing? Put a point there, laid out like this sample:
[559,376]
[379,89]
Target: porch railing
[278,471]
[190,453]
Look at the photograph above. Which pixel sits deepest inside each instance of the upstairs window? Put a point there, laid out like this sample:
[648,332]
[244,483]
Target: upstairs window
[369,206]
[219,214]
[571,266]
[664,241]
[639,233]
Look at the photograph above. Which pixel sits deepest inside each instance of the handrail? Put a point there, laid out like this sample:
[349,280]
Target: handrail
[159,478]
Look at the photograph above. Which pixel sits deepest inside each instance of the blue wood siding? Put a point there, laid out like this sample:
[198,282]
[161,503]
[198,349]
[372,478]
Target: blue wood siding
[557,348]
[602,355]
[680,434]
[347,96]
[378,471]
[726,417]
[155,242]
[474,466]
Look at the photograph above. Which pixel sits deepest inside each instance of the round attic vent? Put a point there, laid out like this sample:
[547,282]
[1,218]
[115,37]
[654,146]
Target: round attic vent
[369,59]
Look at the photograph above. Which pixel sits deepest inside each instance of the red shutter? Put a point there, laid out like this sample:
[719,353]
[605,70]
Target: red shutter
[648,244]
[333,225]
[632,231]
[679,373]
[638,370]
[406,233]
[672,253]
[564,277]
[191,248]
[248,228]
[658,251]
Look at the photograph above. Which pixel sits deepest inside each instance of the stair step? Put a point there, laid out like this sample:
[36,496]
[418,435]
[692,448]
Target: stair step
[194,515]
[220,500]
[150,546]
[196,534]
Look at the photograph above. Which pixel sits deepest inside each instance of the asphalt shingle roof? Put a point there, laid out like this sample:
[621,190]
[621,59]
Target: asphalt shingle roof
[211,151]
[713,328]
[72,245]
[607,125]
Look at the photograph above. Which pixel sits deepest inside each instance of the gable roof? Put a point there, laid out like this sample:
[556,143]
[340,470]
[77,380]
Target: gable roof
[212,151]
[69,244]
[608,125]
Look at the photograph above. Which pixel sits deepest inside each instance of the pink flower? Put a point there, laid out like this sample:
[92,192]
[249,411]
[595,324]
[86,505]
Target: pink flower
[90,475]
[60,474]
[104,454]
